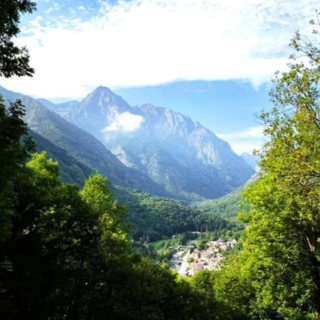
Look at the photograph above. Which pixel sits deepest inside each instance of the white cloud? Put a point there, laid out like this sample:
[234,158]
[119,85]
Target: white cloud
[55,7]
[82,9]
[126,122]
[245,141]
[148,42]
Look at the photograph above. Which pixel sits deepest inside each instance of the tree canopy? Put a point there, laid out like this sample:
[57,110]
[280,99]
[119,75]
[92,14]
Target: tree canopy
[14,60]
[280,260]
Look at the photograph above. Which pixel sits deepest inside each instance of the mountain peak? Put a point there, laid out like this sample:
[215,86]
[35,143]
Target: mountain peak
[102,89]
[104,97]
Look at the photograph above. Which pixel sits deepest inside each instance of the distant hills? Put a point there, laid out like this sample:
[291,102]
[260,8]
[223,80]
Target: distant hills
[152,149]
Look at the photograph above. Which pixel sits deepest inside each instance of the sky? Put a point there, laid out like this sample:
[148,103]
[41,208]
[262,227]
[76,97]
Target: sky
[210,59]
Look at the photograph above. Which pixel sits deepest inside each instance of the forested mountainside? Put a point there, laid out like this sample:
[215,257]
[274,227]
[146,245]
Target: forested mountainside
[153,218]
[228,206]
[150,218]
[79,155]
[71,170]
[178,154]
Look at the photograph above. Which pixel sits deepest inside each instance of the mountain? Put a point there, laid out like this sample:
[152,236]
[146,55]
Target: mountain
[78,150]
[178,154]
[61,108]
[79,155]
[251,160]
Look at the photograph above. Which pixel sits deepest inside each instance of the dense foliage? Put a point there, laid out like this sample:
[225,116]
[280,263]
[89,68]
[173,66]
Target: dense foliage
[163,250]
[71,169]
[65,253]
[227,207]
[278,270]
[152,218]
[13,60]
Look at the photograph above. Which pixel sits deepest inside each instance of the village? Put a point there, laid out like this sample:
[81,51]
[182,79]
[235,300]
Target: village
[188,259]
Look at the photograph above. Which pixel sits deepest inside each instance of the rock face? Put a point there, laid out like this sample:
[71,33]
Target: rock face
[152,149]
[179,155]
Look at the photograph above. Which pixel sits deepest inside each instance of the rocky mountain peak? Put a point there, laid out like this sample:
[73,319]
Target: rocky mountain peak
[178,154]
[102,99]
[166,121]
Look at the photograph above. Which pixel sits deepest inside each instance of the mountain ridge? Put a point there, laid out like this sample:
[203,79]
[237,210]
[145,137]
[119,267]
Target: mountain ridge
[178,154]
[80,145]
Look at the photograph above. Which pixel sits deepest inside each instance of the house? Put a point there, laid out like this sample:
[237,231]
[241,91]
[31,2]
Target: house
[206,255]
[196,267]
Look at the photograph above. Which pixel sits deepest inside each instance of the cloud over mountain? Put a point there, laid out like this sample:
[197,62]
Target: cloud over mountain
[126,122]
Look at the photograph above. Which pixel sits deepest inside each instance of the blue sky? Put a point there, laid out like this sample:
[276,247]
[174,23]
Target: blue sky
[209,59]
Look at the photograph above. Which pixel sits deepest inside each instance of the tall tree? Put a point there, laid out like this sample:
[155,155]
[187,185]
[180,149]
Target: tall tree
[15,150]
[282,241]
[13,59]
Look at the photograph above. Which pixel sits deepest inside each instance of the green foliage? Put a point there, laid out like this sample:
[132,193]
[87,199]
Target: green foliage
[13,154]
[66,255]
[98,197]
[71,169]
[233,291]
[280,260]
[227,207]
[153,218]
[13,60]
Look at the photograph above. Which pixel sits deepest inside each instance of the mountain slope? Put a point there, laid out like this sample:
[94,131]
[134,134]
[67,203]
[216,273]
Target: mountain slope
[80,145]
[227,206]
[71,170]
[179,155]
[61,108]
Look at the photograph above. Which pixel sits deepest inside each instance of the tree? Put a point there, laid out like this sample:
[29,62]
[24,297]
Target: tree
[15,149]
[282,241]
[13,60]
